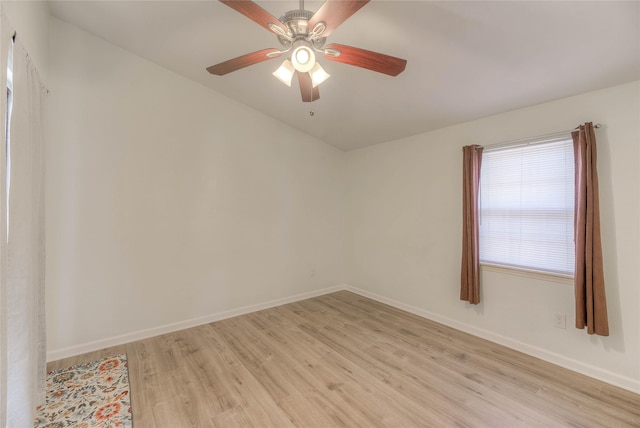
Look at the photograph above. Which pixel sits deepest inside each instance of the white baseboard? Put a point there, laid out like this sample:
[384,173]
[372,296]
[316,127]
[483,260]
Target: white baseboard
[96,345]
[551,357]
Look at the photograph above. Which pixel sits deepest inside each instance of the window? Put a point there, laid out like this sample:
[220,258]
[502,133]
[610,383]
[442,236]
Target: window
[526,206]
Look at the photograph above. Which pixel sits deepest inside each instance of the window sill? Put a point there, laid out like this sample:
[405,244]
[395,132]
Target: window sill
[528,273]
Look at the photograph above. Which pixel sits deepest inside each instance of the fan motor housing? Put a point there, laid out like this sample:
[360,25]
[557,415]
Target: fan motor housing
[297,21]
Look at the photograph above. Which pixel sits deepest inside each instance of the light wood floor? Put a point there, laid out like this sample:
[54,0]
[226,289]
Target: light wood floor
[344,360]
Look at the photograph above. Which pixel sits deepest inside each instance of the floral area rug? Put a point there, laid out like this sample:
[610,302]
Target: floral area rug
[94,394]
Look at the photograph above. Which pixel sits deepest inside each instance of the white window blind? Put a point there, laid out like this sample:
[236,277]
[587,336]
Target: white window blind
[526,206]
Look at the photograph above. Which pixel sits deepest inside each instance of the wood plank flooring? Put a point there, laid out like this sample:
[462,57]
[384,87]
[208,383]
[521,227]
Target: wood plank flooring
[342,360]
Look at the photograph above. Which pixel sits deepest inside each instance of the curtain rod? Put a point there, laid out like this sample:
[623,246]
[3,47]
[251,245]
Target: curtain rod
[533,140]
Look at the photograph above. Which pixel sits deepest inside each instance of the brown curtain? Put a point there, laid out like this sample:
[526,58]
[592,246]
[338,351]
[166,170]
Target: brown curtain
[470,273]
[591,302]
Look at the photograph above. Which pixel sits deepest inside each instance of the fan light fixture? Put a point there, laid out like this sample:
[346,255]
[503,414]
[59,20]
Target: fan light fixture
[303,60]
[285,73]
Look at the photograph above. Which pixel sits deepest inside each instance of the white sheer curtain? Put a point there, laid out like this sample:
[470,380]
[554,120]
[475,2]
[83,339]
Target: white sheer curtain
[5,41]
[23,353]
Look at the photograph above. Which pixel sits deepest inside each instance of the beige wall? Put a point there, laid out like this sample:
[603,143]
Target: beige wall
[31,21]
[167,202]
[404,218]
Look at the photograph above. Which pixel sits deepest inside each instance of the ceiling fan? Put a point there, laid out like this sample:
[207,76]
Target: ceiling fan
[303,33]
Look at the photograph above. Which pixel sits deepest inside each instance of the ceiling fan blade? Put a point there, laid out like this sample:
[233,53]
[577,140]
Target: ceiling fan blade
[254,12]
[335,12]
[308,92]
[373,61]
[243,61]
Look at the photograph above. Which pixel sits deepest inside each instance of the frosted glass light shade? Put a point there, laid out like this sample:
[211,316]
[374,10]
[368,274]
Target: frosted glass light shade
[285,72]
[318,75]
[303,58]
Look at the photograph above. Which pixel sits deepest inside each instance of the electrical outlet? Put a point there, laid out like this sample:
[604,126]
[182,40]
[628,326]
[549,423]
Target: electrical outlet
[559,320]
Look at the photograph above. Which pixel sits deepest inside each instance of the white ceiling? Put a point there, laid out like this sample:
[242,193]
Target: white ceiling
[466,60]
